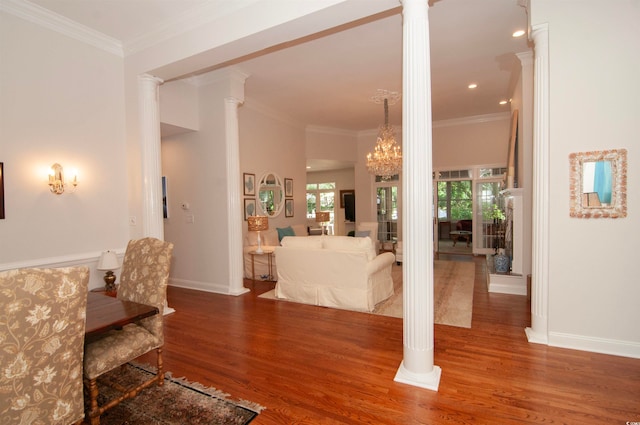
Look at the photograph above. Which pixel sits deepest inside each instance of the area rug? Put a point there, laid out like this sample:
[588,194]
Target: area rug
[453,293]
[177,402]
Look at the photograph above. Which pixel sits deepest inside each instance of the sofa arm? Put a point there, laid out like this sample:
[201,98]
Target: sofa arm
[380,262]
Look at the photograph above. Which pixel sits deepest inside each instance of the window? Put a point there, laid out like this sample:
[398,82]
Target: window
[455,200]
[322,194]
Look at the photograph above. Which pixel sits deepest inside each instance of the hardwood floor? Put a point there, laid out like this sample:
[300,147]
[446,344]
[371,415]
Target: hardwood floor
[315,365]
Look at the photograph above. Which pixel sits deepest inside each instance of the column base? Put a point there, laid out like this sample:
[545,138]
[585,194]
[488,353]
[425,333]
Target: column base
[429,381]
[238,291]
[536,337]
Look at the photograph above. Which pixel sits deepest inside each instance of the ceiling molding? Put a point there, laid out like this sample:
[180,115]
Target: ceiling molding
[47,19]
[331,131]
[475,119]
[187,21]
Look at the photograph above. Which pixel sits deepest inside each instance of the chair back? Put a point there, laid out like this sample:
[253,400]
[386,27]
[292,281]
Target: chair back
[42,322]
[371,226]
[144,278]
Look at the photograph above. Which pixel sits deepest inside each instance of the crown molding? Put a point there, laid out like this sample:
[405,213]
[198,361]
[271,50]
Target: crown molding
[330,130]
[47,19]
[187,21]
[474,119]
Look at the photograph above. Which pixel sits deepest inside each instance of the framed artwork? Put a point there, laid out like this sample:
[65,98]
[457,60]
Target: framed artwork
[249,183]
[165,206]
[1,190]
[288,207]
[249,207]
[288,188]
[350,192]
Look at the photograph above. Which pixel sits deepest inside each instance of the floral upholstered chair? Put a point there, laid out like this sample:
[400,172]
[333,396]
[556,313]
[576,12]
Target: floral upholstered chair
[42,320]
[144,278]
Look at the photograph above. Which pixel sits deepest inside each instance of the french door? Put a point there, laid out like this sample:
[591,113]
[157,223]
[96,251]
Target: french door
[485,229]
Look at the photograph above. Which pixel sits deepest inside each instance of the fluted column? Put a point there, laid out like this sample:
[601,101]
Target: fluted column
[234,208]
[152,222]
[538,332]
[417,366]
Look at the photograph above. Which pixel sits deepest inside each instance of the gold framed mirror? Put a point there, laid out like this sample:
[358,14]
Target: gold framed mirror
[270,194]
[598,184]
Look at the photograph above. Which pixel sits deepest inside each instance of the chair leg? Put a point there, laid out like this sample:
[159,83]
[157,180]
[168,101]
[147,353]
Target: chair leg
[94,412]
[159,367]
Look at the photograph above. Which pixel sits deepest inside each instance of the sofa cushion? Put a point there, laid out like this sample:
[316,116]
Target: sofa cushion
[302,242]
[363,233]
[285,231]
[346,243]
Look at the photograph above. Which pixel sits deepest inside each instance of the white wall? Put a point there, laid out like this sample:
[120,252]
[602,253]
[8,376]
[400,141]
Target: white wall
[593,285]
[270,142]
[61,101]
[471,141]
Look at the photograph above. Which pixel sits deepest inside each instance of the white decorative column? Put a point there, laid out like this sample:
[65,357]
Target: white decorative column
[538,332]
[417,366]
[234,182]
[150,138]
[152,222]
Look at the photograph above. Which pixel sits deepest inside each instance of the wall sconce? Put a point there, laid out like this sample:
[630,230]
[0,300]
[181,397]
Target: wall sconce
[56,180]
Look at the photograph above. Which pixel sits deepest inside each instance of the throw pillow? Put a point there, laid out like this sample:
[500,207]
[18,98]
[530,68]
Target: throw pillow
[362,233]
[285,231]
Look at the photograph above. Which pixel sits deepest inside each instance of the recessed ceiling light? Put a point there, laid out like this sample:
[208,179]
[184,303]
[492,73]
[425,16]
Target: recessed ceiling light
[473,85]
[503,102]
[518,33]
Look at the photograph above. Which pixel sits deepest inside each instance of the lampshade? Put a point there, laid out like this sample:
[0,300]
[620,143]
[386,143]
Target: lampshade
[258,223]
[322,216]
[108,261]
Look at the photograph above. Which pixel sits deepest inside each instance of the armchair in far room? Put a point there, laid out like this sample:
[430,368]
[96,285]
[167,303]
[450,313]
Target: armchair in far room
[372,228]
[144,278]
[41,341]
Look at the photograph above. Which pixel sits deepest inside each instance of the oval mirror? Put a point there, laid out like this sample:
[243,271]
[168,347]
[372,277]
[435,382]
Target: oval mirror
[270,194]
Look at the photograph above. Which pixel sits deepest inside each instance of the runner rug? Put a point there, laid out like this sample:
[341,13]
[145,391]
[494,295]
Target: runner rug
[177,402]
[453,293]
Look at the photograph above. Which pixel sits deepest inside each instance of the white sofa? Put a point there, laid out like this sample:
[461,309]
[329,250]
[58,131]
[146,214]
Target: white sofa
[269,242]
[333,271]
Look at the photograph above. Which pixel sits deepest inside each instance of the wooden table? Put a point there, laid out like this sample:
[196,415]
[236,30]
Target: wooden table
[105,313]
[269,254]
[456,234]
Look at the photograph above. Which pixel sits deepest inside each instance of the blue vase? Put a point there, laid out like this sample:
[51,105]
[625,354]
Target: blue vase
[501,263]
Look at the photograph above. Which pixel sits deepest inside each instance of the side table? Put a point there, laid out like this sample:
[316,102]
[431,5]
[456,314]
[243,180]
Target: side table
[269,254]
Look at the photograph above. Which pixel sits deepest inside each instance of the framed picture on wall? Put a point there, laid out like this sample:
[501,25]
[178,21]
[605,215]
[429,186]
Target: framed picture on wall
[288,207]
[249,181]
[288,187]
[1,190]
[347,193]
[165,206]
[249,207]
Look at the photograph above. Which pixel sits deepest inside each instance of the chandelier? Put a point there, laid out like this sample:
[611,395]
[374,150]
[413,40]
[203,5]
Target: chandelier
[386,159]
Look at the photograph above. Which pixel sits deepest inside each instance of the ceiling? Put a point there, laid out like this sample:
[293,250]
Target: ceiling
[328,81]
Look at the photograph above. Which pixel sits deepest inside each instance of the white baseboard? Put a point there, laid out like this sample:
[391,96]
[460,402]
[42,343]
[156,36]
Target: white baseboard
[595,345]
[513,284]
[216,288]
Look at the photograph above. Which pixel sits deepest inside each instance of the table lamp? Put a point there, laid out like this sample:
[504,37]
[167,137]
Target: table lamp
[258,223]
[322,217]
[109,262]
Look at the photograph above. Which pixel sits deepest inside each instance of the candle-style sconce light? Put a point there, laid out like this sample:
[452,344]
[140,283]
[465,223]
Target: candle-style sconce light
[56,180]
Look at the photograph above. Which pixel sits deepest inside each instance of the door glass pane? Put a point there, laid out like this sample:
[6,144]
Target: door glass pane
[387,206]
[487,202]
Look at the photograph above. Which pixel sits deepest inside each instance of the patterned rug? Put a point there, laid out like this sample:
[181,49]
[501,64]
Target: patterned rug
[453,293]
[177,402]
